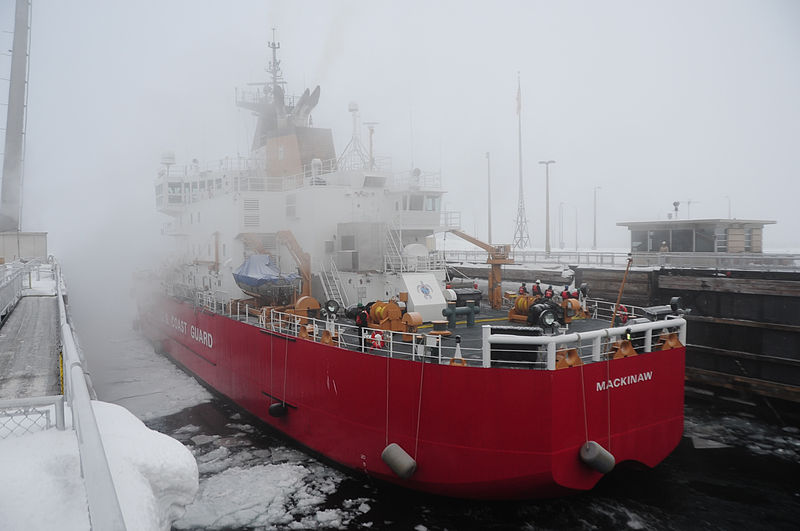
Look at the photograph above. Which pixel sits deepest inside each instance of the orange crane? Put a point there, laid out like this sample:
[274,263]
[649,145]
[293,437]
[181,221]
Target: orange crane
[498,255]
[300,257]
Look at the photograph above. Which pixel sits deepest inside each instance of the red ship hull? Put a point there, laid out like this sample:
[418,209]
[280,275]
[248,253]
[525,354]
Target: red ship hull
[474,432]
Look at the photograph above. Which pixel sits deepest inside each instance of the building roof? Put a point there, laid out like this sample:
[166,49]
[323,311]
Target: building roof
[690,223]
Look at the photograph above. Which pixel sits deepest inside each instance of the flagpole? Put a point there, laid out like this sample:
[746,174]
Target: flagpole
[519,130]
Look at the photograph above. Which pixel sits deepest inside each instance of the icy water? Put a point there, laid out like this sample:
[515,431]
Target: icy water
[731,471]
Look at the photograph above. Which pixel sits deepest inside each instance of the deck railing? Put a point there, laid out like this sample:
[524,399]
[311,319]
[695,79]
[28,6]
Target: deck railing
[489,350]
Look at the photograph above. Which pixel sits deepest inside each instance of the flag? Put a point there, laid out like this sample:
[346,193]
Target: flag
[519,97]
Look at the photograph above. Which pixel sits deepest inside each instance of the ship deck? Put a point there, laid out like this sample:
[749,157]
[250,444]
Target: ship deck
[469,339]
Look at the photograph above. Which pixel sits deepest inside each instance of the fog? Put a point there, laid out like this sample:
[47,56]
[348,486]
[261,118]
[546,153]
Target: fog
[651,102]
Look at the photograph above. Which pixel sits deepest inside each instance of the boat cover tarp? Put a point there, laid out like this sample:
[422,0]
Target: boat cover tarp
[258,270]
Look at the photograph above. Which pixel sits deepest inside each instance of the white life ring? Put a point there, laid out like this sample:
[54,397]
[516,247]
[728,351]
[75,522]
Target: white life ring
[377,339]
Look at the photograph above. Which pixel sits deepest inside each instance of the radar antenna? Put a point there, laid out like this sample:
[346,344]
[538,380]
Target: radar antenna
[274,68]
[354,156]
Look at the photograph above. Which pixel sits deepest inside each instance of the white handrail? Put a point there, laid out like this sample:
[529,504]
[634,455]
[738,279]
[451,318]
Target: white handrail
[552,342]
[104,509]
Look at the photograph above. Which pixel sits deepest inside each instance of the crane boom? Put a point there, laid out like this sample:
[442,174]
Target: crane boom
[498,255]
[301,258]
[496,252]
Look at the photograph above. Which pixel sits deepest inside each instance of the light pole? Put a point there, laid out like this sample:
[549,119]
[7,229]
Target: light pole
[576,229]
[489,194]
[547,164]
[594,237]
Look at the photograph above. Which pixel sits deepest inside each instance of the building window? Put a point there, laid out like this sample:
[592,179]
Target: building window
[704,240]
[638,240]
[681,241]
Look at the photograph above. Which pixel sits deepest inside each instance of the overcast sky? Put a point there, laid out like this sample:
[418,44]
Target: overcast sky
[654,102]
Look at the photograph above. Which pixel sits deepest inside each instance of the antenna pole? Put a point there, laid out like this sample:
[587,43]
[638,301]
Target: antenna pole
[489,192]
[275,65]
[521,237]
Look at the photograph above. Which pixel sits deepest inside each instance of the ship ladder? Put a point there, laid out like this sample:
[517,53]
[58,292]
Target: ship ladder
[393,259]
[331,284]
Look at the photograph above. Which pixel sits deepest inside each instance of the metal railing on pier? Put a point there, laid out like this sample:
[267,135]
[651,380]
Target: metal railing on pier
[21,416]
[101,495]
[722,261]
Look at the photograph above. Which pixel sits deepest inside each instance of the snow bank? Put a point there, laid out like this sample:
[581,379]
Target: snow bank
[155,475]
[41,485]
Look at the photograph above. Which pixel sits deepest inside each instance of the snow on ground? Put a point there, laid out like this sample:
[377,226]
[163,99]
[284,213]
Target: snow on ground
[45,286]
[41,485]
[155,476]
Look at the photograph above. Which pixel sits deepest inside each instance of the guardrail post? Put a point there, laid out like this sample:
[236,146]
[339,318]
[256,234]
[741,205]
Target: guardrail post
[486,349]
[682,333]
[648,340]
[596,348]
[551,356]
[60,413]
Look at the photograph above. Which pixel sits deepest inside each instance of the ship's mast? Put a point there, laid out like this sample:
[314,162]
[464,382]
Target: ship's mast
[274,68]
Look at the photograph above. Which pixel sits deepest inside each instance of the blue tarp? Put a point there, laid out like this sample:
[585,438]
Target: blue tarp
[258,270]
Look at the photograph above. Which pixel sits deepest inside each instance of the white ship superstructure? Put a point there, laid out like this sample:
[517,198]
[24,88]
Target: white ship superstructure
[369,231]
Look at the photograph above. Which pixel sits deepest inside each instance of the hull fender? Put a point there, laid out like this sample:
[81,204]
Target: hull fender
[597,457]
[399,461]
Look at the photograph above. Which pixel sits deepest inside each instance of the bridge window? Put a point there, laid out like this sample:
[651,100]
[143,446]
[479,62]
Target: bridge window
[432,203]
[415,202]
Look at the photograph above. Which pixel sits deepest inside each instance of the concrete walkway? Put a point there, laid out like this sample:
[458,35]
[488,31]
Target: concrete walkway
[29,349]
